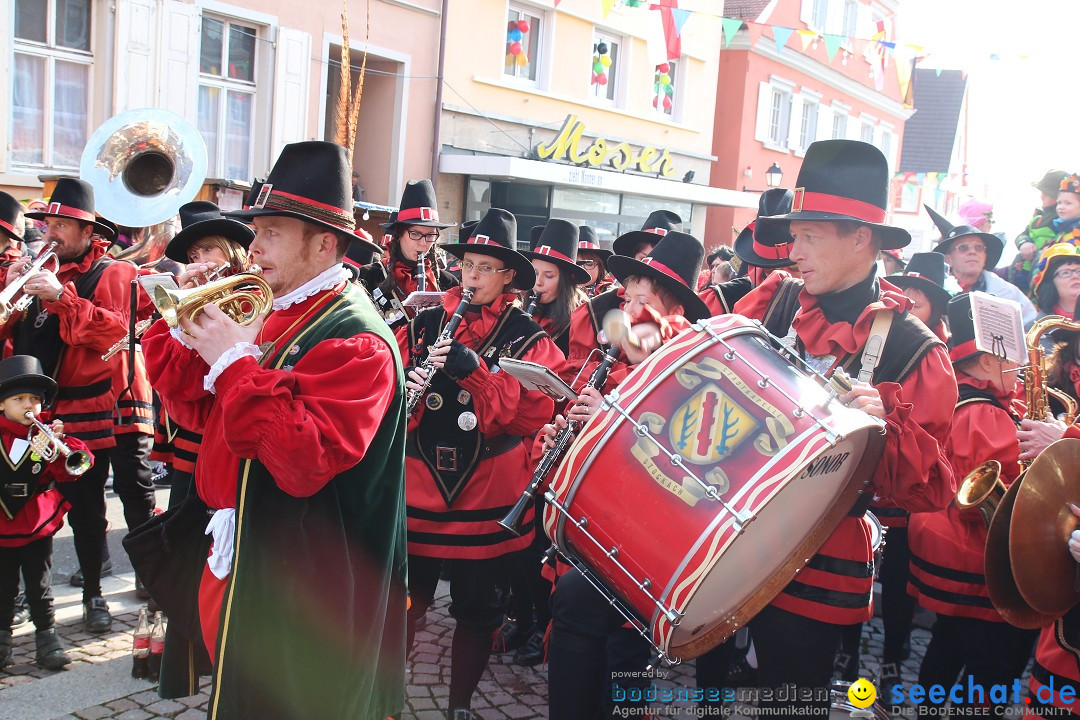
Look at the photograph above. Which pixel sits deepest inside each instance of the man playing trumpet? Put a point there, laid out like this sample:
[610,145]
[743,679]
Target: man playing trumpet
[302,600]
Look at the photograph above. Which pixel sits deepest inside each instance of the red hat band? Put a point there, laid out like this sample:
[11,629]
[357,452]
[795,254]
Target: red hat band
[424,214]
[663,268]
[551,252]
[482,240]
[820,202]
[72,212]
[656,231]
[279,200]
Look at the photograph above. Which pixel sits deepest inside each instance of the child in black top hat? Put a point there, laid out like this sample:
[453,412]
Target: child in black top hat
[923,282]
[31,509]
[593,255]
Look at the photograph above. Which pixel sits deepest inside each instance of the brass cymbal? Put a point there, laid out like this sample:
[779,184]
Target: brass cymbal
[998,569]
[1046,575]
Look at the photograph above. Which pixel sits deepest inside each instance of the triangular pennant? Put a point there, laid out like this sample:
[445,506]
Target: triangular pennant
[607,6]
[807,37]
[680,16]
[832,44]
[731,27]
[937,71]
[781,35]
[903,74]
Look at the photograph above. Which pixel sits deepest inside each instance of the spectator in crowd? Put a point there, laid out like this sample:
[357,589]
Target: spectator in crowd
[1056,283]
[1039,230]
[1067,225]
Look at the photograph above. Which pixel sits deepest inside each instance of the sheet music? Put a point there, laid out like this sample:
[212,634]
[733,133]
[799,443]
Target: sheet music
[537,377]
[999,327]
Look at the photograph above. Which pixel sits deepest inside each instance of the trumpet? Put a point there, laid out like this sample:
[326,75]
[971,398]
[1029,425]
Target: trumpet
[243,297]
[982,490]
[412,398]
[49,447]
[12,298]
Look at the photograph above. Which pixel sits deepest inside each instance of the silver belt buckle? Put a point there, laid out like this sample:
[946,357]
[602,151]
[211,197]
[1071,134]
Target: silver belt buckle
[19,490]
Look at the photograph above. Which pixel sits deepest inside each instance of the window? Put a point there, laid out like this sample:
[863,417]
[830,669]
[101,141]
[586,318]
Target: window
[664,93]
[780,117]
[51,86]
[227,57]
[808,128]
[821,14]
[866,133]
[851,18]
[839,125]
[886,143]
[524,28]
[605,67]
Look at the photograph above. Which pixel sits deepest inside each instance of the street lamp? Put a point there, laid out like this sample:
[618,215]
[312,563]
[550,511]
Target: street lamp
[773,177]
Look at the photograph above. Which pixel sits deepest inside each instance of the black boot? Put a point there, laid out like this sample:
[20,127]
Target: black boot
[50,650]
[532,652]
[5,648]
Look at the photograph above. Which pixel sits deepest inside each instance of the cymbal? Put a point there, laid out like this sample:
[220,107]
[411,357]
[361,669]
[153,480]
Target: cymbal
[1046,574]
[998,568]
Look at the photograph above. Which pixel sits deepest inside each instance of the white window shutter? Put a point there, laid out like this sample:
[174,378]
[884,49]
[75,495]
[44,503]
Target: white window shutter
[136,35]
[794,121]
[824,122]
[178,66]
[864,22]
[764,110]
[806,12]
[292,74]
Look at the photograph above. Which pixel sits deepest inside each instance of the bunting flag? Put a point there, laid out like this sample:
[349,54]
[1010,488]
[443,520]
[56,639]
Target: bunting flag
[904,67]
[607,5]
[781,35]
[807,37]
[681,16]
[832,44]
[731,28]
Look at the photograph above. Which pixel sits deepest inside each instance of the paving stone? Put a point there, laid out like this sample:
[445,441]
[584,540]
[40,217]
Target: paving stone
[136,714]
[165,707]
[94,712]
[122,705]
[191,714]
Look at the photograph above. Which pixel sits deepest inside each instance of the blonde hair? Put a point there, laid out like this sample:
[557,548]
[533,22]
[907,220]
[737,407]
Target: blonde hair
[234,251]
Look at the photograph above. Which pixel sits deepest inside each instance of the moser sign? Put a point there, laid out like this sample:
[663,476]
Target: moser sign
[567,147]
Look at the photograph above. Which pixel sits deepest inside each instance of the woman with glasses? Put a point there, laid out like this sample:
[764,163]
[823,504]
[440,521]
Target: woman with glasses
[1056,283]
[592,256]
[412,232]
[558,277]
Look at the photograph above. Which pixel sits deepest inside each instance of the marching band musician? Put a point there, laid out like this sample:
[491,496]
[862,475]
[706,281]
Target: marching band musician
[639,243]
[413,232]
[302,599]
[465,459]
[592,256]
[558,277]
[923,282]
[12,229]
[77,314]
[947,546]
[836,230]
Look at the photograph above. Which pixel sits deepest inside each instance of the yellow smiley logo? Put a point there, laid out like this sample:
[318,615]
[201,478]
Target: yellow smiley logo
[862,693]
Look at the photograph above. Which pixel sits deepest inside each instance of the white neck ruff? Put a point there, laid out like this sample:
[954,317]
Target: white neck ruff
[323,281]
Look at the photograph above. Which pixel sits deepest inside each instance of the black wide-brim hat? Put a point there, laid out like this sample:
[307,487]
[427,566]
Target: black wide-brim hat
[9,215]
[951,233]
[588,241]
[495,235]
[558,244]
[657,225]
[311,181]
[962,328]
[74,199]
[674,263]
[23,373]
[767,245]
[418,207]
[844,180]
[925,272]
[201,219]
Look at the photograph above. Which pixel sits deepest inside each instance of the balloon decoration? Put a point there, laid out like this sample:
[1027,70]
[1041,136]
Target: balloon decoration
[663,88]
[601,61]
[516,30]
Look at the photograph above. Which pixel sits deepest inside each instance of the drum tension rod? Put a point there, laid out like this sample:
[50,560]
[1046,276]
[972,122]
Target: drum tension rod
[673,616]
[611,400]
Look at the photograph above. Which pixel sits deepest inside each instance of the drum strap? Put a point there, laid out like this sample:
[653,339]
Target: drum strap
[871,354]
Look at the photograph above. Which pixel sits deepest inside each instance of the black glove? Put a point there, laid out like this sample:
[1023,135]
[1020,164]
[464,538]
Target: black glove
[460,361]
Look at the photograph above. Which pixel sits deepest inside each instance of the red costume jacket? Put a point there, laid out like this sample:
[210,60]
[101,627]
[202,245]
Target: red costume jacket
[947,546]
[913,474]
[468,529]
[88,328]
[44,513]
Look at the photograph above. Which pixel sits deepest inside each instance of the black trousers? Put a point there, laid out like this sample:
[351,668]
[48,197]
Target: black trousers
[793,650]
[474,604]
[87,519]
[991,653]
[133,478]
[33,562]
[897,607]
[529,590]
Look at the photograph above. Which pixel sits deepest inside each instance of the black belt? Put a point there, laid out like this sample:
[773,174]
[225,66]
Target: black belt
[21,490]
[83,392]
[862,504]
[492,447]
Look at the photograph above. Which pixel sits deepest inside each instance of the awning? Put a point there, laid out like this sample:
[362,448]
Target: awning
[500,167]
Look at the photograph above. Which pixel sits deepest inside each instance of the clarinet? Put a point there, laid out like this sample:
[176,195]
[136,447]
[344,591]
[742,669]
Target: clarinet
[530,306]
[412,398]
[512,521]
[421,273]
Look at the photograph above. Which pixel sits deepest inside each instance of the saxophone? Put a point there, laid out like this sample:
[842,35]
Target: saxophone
[412,398]
[1036,391]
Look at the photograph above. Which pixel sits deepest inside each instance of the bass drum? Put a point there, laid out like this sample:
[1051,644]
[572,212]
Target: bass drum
[714,473]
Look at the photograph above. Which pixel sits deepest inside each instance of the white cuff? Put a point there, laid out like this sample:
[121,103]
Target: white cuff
[178,335]
[222,527]
[237,351]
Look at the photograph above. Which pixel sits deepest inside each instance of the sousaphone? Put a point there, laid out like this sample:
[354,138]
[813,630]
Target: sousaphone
[144,164]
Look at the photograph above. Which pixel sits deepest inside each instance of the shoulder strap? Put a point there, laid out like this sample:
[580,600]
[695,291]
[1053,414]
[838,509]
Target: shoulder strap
[871,354]
[782,307]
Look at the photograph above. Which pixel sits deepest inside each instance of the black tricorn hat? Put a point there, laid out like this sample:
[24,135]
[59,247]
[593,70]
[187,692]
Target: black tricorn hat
[587,241]
[9,215]
[24,374]
[767,244]
[73,198]
[951,233]
[961,327]
[844,180]
[466,230]
[657,225]
[201,219]
[310,181]
[926,272]
[558,244]
[418,206]
[495,235]
[674,263]
[253,193]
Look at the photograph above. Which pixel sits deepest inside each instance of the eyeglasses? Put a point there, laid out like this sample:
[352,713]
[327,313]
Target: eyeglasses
[587,264]
[972,247]
[469,266]
[1066,273]
[417,236]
